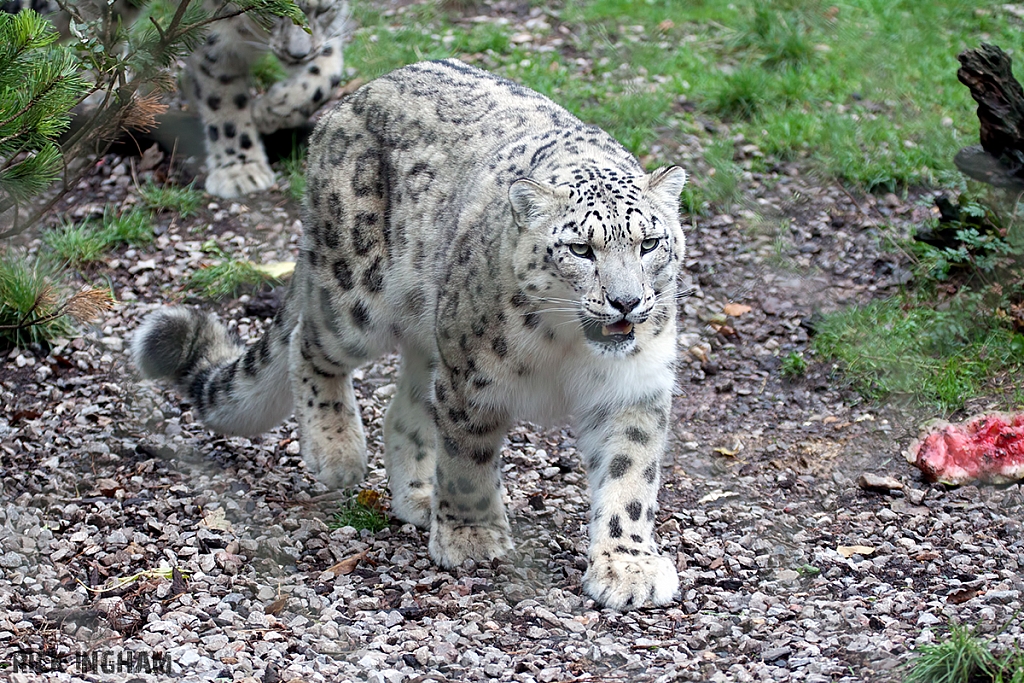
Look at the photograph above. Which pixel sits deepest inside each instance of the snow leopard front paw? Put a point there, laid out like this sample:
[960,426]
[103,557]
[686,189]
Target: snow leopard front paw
[276,110]
[623,581]
[452,543]
[239,179]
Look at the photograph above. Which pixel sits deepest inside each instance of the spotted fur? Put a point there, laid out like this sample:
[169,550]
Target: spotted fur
[525,265]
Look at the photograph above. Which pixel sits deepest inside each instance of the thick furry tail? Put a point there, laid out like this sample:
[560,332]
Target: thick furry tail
[235,389]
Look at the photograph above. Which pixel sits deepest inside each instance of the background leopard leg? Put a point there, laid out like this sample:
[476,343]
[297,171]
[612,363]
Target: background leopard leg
[468,519]
[289,103]
[622,448]
[410,441]
[331,428]
[218,75]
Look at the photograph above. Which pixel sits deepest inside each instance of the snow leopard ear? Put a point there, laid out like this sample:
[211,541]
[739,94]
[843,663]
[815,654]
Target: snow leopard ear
[530,199]
[667,183]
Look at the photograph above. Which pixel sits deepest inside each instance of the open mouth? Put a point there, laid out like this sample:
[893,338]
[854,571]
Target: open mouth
[615,333]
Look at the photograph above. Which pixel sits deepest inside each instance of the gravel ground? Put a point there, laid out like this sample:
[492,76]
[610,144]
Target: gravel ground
[793,566]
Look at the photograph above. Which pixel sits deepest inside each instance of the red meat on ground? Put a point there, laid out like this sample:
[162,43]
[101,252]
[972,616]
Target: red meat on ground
[986,448]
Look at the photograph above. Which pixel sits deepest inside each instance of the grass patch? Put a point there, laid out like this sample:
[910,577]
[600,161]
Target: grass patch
[82,243]
[185,201]
[794,365]
[361,511]
[294,168]
[227,278]
[905,347]
[965,657]
[77,244]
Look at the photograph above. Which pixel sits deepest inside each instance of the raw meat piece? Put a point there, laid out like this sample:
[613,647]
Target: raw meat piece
[986,448]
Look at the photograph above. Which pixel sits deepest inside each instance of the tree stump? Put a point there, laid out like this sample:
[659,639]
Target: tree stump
[999,160]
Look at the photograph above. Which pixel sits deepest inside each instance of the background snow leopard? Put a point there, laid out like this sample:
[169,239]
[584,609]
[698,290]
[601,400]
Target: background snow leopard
[525,265]
[218,84]
[217,81]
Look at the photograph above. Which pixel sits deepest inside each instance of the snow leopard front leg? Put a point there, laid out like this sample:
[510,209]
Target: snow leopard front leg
[290,103]
[622,448]
[468,517]
[219,82]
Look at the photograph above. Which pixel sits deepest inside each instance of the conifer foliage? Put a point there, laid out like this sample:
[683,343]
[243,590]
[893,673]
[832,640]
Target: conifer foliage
[40,82]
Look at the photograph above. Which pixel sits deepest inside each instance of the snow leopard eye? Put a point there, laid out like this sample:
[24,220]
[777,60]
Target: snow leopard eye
[649,244]
[582,250]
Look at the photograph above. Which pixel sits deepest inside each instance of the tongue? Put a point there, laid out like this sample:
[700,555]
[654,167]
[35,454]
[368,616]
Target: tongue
[621,327]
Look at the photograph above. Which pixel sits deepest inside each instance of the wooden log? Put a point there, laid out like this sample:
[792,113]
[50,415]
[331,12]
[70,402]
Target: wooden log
[987,72]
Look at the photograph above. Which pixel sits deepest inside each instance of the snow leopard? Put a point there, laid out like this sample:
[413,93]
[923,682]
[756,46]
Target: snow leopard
[217,78]
[525,265]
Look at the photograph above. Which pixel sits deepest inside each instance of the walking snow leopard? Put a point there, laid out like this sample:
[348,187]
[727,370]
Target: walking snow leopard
[525,265]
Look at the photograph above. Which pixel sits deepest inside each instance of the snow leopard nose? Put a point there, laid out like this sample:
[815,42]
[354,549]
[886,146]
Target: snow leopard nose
[624,304]
[299,45]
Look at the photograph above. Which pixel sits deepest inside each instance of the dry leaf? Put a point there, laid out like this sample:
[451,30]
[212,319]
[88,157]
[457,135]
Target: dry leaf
[964,595]
[276,606]
[346,566]
[715,495]
[178,583]
[851,550]
[371,499]
[276,269]
[926,556]
[722,450]
[724,330]
[699,353]
[215,519]
[736,310]
[151,157]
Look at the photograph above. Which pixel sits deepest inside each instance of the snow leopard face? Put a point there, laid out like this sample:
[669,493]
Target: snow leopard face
[606,249]
[294,45]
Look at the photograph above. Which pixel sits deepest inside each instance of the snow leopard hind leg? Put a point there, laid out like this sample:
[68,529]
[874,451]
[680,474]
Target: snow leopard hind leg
[410,440]
[330,426]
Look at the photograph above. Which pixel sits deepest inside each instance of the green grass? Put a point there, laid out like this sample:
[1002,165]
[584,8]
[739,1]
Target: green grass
[30,290]
[294,168]
[86,242]
[77,244]
[904,347]
[965,657]
[793,365]
[361,511]
[185,201]
[227,278]
[802,79]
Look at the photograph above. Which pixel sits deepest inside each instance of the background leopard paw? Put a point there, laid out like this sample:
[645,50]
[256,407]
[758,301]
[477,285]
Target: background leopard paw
[239,179]
[452,543]
[413,505]
[622,581]
[276,111]
[337,471]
